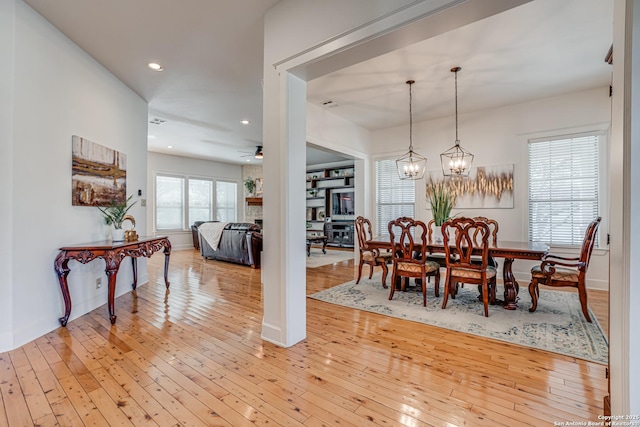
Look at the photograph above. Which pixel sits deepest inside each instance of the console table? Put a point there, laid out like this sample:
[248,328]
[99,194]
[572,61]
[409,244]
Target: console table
[112,253]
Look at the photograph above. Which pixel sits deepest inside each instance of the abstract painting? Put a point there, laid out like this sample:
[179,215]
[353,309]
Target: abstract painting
[487,187]
[99,174]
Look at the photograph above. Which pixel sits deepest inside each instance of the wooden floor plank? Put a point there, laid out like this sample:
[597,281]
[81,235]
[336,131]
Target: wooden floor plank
[193,355]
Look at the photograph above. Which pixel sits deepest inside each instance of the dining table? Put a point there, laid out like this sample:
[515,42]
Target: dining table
[508,250]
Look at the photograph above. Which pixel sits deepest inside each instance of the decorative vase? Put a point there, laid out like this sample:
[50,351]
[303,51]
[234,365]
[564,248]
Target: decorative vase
[437,234]
[117,234]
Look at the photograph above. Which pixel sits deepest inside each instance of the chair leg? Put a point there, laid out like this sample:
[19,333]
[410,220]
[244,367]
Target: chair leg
[534,292]
[359,270]
[394,278]
[447,289]
[582,293]
[385,270]
[485,298]
[437,285]
[370,271]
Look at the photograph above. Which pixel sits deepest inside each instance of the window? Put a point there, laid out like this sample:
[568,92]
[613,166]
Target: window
[182,200]
[394,197]
[563,188]
[226,196]
[200,200]
[169,203]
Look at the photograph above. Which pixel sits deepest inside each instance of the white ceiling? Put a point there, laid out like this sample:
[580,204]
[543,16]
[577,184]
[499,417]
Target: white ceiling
[211,51]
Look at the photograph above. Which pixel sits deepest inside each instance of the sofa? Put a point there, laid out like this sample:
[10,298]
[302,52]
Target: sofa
[240,243]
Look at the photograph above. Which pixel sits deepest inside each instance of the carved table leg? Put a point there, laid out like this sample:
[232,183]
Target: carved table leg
[324,245]
[511,287]
[112,261]
[62,269]
[167,252]
[112,275]
[134,265]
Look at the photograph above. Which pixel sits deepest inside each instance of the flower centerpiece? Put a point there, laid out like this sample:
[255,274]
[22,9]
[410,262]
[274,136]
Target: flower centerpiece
[115,214]
[441,201]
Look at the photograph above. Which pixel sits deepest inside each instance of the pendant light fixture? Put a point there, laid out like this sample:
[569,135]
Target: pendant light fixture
[456,161]
[411,165]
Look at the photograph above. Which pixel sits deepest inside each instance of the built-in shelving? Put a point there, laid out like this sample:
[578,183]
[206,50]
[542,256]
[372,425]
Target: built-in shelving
[321,184]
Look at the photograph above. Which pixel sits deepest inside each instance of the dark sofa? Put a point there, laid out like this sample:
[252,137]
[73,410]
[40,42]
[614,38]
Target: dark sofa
[241,243]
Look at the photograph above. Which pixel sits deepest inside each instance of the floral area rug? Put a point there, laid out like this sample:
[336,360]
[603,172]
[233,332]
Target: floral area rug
[557,325]
[317,259]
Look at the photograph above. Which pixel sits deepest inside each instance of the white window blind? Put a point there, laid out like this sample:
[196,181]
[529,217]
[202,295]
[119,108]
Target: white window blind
[200,200]
[226,201]
[563,188]
[394,197]
[169,202]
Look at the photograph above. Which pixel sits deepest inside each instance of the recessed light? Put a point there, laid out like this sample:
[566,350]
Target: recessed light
[169,146]
[245,122]
[155,67]
[248,160]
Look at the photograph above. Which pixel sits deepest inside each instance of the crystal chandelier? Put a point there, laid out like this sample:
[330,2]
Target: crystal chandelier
[411,165]
[456,161]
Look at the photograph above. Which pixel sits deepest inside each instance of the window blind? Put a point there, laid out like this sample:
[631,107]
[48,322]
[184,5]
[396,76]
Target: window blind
[394,197]
[563,188]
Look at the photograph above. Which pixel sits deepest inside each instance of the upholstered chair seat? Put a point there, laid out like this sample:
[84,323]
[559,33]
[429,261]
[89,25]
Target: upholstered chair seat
[565,275]
[474,274]
[429,266]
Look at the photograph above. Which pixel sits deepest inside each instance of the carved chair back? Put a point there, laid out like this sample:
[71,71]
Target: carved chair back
[410,238]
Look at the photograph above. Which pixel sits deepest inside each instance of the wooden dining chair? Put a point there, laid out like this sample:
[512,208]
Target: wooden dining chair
[373,257]
[493,228]
[462,238]
[560,271]
[409,237]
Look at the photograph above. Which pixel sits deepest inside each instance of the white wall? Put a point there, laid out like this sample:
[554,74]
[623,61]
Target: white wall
[196,168]
[499,137]
[59,91]
[7,20]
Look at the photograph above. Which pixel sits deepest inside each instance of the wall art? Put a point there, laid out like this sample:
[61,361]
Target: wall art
[487,187]
[99,174]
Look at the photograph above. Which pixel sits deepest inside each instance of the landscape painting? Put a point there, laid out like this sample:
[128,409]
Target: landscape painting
[99,174]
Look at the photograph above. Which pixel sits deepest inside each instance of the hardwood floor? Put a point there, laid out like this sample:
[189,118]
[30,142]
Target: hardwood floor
[193,356]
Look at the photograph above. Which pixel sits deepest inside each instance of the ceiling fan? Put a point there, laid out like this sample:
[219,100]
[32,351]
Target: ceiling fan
[257,154]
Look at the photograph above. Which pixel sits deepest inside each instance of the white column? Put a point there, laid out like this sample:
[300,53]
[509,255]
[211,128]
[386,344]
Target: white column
[284,204]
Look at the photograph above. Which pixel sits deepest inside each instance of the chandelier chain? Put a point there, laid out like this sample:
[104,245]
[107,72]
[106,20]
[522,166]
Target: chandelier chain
[456,83]
[410,120]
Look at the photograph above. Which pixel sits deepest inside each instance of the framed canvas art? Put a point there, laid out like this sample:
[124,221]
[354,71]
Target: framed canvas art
[99,174]
[487,187]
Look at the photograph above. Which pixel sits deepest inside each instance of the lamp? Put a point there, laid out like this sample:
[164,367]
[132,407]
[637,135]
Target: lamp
[456,161]
[258,154]
[411,165]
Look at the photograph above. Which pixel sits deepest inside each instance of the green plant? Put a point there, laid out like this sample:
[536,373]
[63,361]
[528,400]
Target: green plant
[441,201]
[115,213]
[250,185]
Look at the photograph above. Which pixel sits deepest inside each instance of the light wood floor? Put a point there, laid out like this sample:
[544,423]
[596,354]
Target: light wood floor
[193,356]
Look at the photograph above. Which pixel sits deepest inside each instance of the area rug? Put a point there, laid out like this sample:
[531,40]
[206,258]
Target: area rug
[557,325]
[316,258]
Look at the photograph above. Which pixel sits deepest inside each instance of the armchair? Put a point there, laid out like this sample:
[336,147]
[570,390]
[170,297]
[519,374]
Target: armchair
[559,271]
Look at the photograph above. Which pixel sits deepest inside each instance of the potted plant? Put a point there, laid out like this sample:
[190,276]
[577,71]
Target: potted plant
[250,185]
[115,214]
[441,202]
